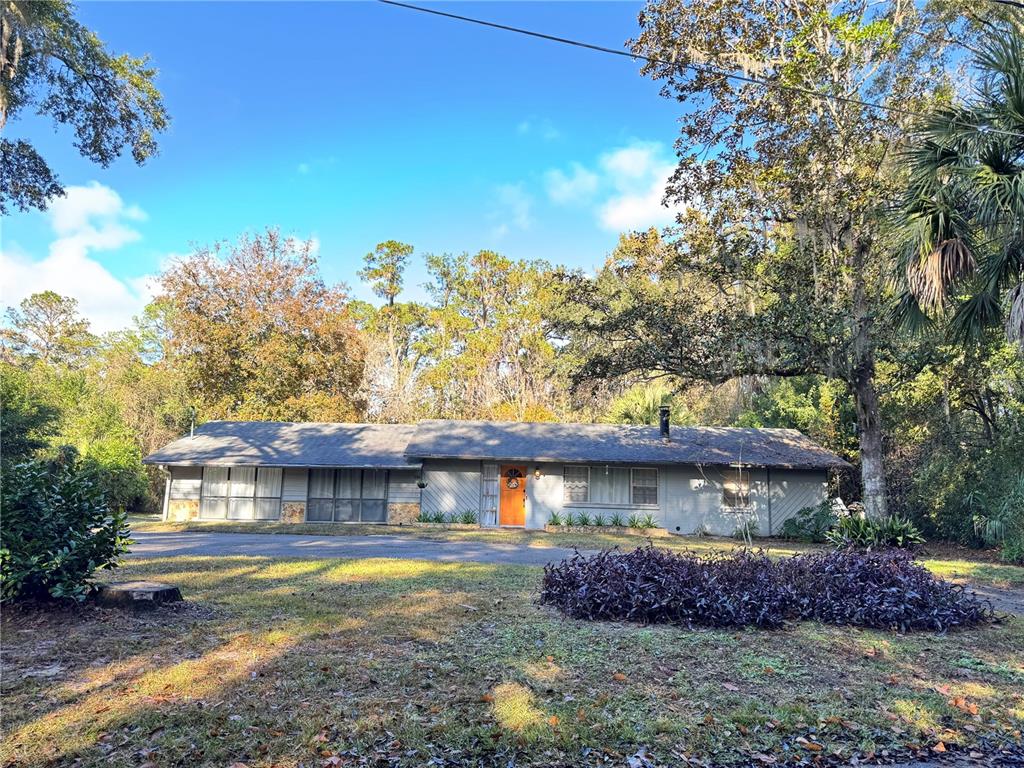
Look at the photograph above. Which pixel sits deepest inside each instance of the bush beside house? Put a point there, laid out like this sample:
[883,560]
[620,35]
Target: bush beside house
[58,530]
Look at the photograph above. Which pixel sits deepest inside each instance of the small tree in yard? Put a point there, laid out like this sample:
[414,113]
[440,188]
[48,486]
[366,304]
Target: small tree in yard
[57,531]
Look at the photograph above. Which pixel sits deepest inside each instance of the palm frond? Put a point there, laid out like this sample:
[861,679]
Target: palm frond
[906,313]
[981,311]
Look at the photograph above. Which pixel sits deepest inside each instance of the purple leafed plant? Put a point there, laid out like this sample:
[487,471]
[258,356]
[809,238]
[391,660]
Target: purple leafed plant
[884,589]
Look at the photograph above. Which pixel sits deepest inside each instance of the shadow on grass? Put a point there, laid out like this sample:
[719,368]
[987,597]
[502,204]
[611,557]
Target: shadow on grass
[291,659]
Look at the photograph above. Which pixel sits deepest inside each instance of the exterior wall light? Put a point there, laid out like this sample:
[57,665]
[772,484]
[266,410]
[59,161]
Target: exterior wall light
[536,473]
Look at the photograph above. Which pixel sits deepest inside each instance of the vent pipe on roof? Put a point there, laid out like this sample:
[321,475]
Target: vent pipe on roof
[663,413]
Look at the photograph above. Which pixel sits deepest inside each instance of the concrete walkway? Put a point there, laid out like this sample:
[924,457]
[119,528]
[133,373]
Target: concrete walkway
[192,543]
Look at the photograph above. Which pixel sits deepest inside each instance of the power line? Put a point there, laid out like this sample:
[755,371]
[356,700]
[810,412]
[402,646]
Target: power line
[693,67]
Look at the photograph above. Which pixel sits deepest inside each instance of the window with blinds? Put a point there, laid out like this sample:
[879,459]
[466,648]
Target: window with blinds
[644,486]
[347,496]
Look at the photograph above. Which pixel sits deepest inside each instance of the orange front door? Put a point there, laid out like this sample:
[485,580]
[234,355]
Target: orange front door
[512,503]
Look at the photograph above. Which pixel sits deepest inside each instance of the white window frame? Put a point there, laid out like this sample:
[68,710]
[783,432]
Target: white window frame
[633,487]
[565,499]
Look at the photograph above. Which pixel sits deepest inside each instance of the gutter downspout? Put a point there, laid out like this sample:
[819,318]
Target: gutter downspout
[768,483]
[167,490]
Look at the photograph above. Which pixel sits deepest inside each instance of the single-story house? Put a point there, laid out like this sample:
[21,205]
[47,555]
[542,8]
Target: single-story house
[506,473]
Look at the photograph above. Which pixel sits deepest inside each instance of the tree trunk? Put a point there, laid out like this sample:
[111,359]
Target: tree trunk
[869,418]
[869,425]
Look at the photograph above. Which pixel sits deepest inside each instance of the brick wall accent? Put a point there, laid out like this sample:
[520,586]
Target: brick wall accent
[403,514]
[180,510]
[293,512]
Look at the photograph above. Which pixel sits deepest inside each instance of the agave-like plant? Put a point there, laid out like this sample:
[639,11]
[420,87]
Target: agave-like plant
[961,223]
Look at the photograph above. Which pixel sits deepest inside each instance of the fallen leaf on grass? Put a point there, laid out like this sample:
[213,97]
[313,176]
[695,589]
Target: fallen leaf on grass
[487,698]
[730,686]
[553,720]
[619,676]
[813,746]
[939,747]
[964,705]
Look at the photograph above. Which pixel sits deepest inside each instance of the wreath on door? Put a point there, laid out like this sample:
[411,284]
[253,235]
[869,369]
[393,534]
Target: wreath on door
[512,479]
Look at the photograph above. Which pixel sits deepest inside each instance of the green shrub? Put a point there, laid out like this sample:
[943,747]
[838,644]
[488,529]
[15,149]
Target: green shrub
[746,531]
[647,522]
[424,517]
[469,517]
[617,521]
[1003,521]
[599,521]
[58,530]
[582,519]
[862,532]
[810,524]
[555,519]
[852,532]
[635,521]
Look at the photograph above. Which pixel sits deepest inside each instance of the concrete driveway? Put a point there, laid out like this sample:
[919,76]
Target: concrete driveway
[190,543]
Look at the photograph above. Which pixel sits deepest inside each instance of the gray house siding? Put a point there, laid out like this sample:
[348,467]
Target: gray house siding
[295,485]
[402,488]
[690,498]
[186,482]
[695,499]
[452,486]
[792,491]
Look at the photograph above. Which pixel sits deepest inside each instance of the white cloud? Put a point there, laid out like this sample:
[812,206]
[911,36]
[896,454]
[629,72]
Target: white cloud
[513,208]
[89,218]
[543,128]
[626,186]
[303,168]
[639,210]
[576,186]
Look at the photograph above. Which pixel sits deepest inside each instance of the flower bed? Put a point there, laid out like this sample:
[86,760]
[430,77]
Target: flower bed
[447,526]
[613,529]
[882,589]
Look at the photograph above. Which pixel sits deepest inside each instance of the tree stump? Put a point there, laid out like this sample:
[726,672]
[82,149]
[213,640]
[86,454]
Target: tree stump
[138,593]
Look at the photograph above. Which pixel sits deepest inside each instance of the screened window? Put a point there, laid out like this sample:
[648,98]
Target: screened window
[576,484]
[214,504]
[268,493]
[241,493]
[645,486]
[347,496]
[736,491]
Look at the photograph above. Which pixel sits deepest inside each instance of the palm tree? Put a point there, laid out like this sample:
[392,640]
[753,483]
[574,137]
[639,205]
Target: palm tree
[961,224]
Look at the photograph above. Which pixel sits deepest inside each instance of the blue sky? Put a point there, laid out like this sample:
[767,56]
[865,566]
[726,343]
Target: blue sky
[353,123]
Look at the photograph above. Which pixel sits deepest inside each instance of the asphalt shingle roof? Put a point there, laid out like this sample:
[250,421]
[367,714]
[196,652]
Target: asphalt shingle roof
[291,444]
[394,446]
[617,444]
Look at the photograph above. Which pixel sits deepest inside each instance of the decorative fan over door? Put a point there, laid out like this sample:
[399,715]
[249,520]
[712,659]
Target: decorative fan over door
[512,501]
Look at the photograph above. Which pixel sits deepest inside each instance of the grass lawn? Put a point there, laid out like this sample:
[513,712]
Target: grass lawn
[277,662]
[948,561]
